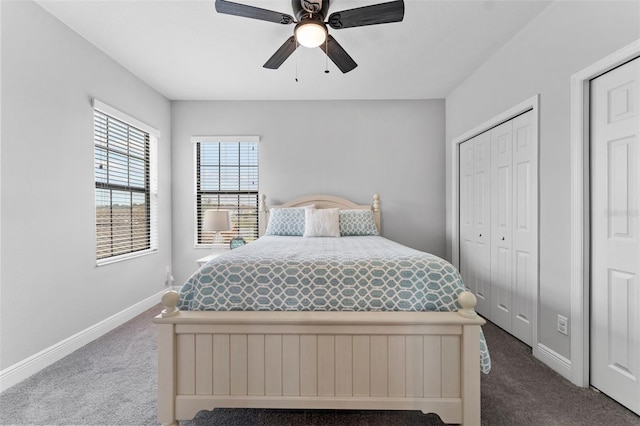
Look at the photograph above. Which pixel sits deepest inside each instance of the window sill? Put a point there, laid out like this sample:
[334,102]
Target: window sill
[122,257]
[214,247]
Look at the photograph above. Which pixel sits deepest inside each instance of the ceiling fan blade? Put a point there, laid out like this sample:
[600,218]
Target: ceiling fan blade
[382,13]
[282,54]
[338,55]
[246,11]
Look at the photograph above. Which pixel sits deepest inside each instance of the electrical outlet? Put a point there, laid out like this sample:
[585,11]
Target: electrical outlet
[563,325]
[168,278]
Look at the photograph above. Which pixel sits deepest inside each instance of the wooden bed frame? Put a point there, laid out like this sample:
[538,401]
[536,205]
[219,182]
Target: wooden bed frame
[427,361]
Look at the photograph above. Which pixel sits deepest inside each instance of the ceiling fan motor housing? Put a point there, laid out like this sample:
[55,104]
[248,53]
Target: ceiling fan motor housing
[310,8]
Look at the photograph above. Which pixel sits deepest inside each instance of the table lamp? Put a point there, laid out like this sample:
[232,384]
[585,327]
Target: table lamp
[216,221]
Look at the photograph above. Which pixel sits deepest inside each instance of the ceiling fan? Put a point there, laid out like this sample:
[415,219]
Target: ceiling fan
[311,29]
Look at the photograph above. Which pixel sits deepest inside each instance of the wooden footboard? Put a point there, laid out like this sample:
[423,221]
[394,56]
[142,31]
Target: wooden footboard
[427,361]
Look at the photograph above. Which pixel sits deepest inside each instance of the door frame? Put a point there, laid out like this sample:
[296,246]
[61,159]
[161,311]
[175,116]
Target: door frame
[581,209]
[532,104]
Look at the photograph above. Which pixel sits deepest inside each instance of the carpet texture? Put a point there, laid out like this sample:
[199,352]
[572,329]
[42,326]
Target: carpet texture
[112,381]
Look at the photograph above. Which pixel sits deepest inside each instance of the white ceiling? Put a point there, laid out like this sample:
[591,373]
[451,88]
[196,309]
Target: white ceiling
[185,50]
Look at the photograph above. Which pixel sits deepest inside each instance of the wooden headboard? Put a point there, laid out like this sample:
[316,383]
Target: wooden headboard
[321,202]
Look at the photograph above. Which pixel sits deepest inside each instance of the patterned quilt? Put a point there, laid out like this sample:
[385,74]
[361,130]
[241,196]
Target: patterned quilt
[279,273]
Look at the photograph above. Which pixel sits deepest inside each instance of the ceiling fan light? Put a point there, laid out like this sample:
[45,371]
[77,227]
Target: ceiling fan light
[311,34]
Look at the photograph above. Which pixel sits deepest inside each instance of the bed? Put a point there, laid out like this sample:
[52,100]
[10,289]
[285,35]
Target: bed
[289,322]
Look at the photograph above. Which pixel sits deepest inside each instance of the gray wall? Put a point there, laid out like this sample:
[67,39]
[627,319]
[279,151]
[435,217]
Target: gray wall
[347,148]
[50,285]
[565,38]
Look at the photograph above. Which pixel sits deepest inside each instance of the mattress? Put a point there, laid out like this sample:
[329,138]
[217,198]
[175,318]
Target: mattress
[368,273]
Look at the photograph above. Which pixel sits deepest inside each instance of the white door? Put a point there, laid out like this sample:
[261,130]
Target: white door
[467,269]
[475,224]
[525,227]
[482,221]
[501,225]
[615,220]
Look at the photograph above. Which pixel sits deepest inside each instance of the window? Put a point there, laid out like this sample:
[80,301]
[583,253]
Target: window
[125,182]
[227,179]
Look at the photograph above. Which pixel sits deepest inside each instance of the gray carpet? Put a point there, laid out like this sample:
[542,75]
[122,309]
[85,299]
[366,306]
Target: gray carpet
[112,381]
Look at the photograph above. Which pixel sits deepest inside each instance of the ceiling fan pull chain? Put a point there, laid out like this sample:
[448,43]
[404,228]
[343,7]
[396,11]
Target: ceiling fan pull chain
[297,56]
[326,57]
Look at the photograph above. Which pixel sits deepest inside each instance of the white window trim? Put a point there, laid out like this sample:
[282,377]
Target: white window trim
[194,141]
[154,135]
[123,116]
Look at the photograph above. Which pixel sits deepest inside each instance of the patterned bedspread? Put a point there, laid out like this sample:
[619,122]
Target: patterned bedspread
[278,273]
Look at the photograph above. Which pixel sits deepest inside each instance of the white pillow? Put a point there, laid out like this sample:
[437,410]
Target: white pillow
[321,223]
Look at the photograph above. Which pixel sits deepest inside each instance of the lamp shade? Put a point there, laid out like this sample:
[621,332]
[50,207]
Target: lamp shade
[215,220]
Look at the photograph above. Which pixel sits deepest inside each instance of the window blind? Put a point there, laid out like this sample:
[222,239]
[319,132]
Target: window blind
[227,179]
[123,187]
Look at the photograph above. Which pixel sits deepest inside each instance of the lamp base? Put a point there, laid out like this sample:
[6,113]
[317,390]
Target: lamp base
[218,241]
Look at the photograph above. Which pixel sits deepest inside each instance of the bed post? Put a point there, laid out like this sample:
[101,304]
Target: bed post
[263,215]
[166,375]
[467,301]
[170,302]
[376,212]
[167,361]
[470,357]
[470,375]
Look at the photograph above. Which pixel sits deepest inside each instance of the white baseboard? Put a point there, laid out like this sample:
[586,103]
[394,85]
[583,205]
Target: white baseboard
[29,366]
[553,360]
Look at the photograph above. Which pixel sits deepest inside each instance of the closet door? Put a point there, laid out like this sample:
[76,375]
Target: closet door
[525,227]
[467,258]
[482,221]
[501,225]
[475,225]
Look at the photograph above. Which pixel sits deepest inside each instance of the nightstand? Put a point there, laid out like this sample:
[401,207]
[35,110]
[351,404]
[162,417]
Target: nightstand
[205,259]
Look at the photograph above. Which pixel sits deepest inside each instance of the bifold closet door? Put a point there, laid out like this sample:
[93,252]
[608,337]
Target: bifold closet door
[514,226]
[501,225]
[498,223]
[482,221]
[524,237]
[475,225]
[467,231]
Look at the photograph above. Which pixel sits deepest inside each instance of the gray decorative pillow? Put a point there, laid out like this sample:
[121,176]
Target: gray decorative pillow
[286,222]
[357,223]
